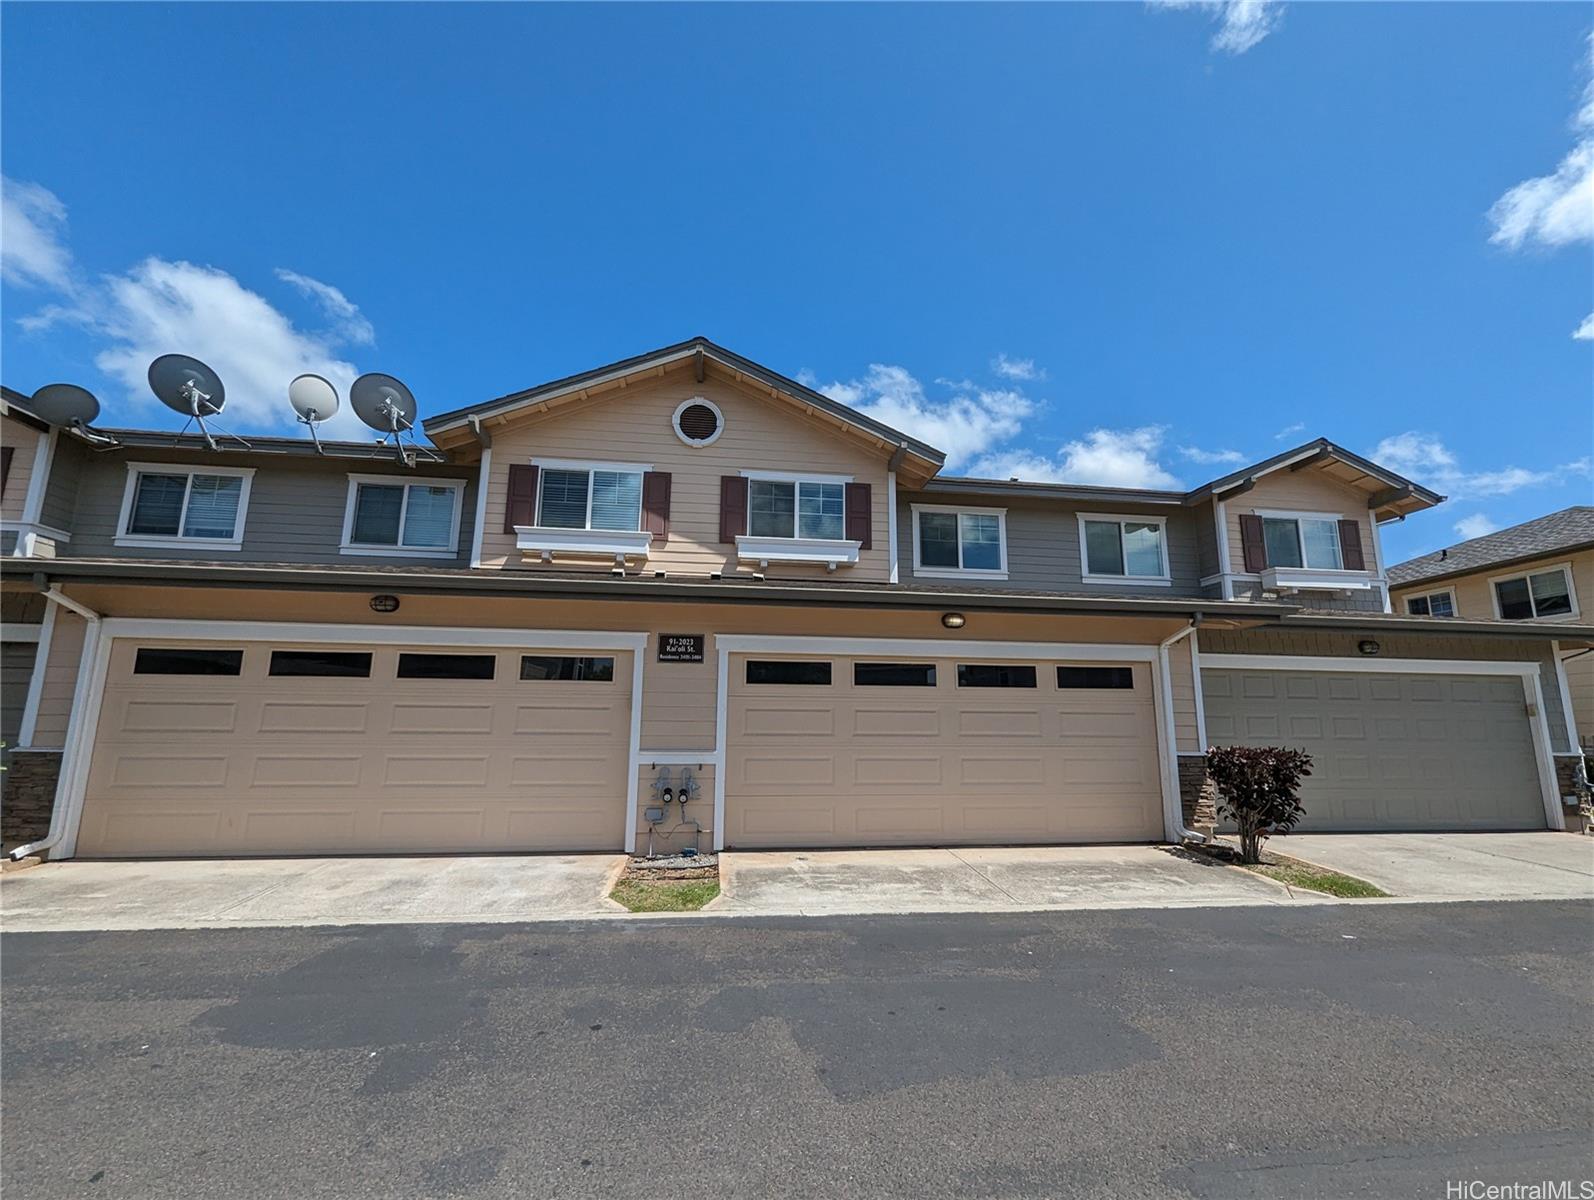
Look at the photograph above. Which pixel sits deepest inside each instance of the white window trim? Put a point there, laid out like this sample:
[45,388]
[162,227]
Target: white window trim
[999,572]
[153,541]
[1571,591]
[550,533]
[1163,580]
[795,477]
[698,443]
[1455,609]
[381,550]
[797,548]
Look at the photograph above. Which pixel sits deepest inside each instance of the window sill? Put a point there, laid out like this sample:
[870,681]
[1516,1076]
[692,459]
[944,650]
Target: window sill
[399,551]
[823,551]
[1129,580]
[970,573]
[151,542]
[595,543]
[1313,579]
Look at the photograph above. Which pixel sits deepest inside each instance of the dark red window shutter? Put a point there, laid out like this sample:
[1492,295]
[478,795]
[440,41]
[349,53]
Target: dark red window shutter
[5,465]
[860,513]
[521,505]
[1350,546]
[1252,543]
[733,507]
[656,505]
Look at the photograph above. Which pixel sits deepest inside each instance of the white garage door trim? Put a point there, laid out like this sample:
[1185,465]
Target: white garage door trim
[84,722]
[1532,694]
[726,645]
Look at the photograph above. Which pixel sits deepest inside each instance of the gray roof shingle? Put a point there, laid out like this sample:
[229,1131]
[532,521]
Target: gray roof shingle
[1569,529]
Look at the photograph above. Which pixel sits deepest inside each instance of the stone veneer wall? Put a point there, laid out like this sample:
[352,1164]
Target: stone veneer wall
[27,794]
[1197,796]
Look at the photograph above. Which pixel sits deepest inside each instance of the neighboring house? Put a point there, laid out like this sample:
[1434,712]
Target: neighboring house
[1541,570]
[687,564]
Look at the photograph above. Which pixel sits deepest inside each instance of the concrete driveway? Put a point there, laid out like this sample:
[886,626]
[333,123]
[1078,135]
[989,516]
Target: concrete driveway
[305,891]
[1455,866]
[1011,879]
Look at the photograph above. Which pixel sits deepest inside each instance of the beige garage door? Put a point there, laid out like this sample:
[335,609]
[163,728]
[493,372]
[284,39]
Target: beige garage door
[868,752]
[216,749]
[1390,751]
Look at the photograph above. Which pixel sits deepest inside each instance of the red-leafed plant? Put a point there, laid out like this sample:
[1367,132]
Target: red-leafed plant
[1258,787]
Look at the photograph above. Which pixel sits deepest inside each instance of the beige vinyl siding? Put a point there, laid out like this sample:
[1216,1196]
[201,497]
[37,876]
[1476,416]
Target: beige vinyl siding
[1580,683]
[672,835]
[60,681]
[23,441]
[634,426]
[1181,678]
[1043,552]
[295,513]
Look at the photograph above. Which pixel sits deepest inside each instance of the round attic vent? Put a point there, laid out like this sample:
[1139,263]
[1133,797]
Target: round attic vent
[699,422]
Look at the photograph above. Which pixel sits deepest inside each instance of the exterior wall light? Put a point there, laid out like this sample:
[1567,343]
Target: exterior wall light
[384,604]
[953,620]
[1368,647]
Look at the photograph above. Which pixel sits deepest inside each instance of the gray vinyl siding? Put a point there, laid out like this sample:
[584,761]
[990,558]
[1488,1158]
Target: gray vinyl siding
[1207,560]
[58,508]
[295,512]
[8,542]
[1043,545]
[1340,643]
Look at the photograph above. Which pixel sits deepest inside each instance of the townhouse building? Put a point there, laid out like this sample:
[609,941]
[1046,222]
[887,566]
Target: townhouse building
[686,572]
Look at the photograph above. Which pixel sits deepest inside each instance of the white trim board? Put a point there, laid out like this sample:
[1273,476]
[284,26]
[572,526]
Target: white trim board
[756,643]
[41,660]
[1568,718]
[483,474]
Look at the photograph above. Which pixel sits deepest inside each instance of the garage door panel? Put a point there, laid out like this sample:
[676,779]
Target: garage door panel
[261,764]
[897,771]
[886,822]
[1394,751]
[1001,722]
[896,723]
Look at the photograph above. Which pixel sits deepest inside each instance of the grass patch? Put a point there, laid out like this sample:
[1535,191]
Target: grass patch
[682,895]
[1316,879]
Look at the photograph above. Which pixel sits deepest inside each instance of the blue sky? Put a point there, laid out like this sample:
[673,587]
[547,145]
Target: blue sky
[1118,243]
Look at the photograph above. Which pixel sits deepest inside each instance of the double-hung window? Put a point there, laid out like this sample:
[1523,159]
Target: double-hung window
[164,505]
[1304,541]
[1124,549]
[410,518]
[590,497]
[1432,604]
[959,541]
[1535,594]
[797,508]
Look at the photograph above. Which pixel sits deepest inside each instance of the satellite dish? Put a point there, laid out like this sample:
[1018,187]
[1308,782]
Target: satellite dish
[383,403]
[315,400]
[65,404]
[188,386]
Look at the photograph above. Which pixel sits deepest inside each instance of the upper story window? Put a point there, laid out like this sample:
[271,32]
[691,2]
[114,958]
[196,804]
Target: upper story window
[590,496]
[1303,541]
[1535,594]
[163,505]
[957,541]
[1124,549]
[797,508]
[1432,604]
[390,516]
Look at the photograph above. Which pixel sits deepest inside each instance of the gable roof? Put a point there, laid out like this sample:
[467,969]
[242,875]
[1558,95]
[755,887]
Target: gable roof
[704,351]
[1397,497]
[1560,532]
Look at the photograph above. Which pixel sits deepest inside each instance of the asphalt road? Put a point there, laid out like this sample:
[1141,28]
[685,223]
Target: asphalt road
[1339,1052]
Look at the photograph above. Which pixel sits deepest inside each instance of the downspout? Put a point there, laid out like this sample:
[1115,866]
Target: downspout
[1173,814]
[70,750]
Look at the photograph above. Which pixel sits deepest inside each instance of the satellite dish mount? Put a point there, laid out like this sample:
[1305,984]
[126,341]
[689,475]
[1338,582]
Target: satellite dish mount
[388,407]
[74,408]
[314,400]
[187,386]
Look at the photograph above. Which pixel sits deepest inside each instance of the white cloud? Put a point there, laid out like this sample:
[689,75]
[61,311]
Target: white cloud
[350,321]
[159,307]
[1429,461]
[1107,457]
[1212,457]
[1555,209]
[1289,431]
[1475,526]
[1241,23]
[965,424]
[33,251]
[1023,370]
[1585,331]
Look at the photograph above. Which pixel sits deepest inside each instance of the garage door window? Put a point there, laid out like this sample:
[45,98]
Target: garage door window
[893,674]
[446,666]
[1541,594]
[332,664]
[568,667]
[996,675]
[810,674]
[153,660]
[1095,677]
